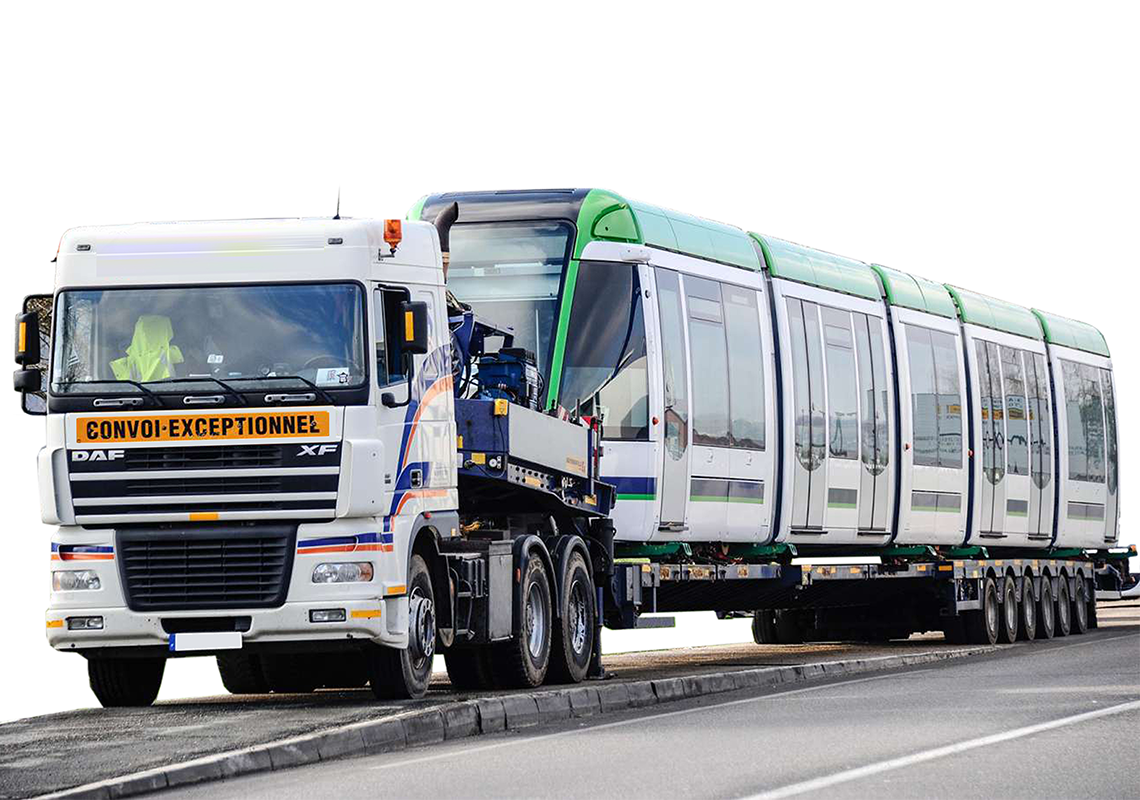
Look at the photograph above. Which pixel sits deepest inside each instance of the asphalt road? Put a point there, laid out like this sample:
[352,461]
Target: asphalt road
[1057,719]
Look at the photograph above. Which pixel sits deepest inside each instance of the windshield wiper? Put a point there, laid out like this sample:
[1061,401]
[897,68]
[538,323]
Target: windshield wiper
[316,389]
[223,384]
[136,384]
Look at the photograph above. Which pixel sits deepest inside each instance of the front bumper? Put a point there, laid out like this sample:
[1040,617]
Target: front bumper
[384,621]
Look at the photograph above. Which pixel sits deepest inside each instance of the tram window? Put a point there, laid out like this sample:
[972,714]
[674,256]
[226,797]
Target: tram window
[997,411]
[882,395]
[745,367]
[1044,428]
[923,396]
[605,350]
[676,378]
[1016,423]
[1110,429]
[1093,412]
[1084,416]
[802,404]
[710,363]
[949,405]
[842,392]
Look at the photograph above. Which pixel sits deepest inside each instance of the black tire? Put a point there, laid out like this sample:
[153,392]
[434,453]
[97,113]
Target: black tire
[405,674]
[1046,610]
[1092,611]
[764,627]
[125,682]
[522,662]
[1010,613]
[469,669]
[1080,615]
[573,642]
[241,673]
[982,625]
[1027,619]
[788,627]
[289,673]
[1064,608]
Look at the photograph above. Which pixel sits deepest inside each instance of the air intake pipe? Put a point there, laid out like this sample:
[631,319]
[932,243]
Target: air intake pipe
[443,222]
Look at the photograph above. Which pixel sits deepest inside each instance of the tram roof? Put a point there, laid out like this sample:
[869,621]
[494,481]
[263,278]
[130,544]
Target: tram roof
[1066,332]
[989,312]
[915,292]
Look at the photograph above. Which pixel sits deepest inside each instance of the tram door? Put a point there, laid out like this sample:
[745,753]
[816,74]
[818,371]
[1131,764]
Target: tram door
[993,437]
[674,490]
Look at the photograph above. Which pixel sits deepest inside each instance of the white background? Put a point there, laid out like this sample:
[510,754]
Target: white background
[989,145]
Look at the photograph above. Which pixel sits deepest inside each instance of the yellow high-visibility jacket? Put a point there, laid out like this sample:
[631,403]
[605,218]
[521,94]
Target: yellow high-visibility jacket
[150,355]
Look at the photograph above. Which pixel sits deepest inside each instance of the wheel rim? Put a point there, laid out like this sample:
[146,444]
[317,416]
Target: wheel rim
[991,611]
[1030,610]
[535,620]
[578,617]
[421,627]
[1082,605]
[1046,607]
[1011,611]
[1063,608]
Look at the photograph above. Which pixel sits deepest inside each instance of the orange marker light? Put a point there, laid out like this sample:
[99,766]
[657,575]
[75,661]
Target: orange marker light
[393,233]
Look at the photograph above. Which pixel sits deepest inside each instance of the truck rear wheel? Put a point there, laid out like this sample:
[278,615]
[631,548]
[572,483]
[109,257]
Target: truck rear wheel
[469,669]
[404,674]
[982,625]
[1027,620]
[573,642]
[241,673]
[1080,615]
[119,682]
[522,662]
[1007,633]
[1064,608]
[764,627]
[289,673]
[1046,610]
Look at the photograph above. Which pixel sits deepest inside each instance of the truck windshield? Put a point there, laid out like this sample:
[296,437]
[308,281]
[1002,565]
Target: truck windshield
[510,274]
[163,338]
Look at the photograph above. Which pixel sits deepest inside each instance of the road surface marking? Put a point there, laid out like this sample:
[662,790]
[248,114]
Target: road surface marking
[639,719]
[817,784]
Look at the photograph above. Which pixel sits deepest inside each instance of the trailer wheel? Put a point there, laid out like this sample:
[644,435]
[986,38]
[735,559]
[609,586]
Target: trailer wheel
[119,682]
[573,642]
[1007,633]
[788,627]
[1064,608]
[764,627]
[289,673]
[1080,615]
[982,625]
[404,674]
[241,673]
[1027,620]
[522,662]
[469,669]
[1046,610]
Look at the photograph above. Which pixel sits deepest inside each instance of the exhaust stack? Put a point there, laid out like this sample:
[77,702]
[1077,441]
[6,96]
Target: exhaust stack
[443,222]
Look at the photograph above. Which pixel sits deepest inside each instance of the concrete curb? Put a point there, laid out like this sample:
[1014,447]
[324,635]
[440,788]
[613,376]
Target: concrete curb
[475,717]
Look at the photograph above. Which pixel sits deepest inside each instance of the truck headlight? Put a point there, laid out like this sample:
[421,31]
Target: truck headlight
[352,572]
[75,580]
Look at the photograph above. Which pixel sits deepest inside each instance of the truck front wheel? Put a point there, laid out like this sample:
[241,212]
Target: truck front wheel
[241,673]
[405,674]
[125,681]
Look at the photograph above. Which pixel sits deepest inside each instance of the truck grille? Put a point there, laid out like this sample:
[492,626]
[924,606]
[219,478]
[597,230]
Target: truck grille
[167,570]
[228,482]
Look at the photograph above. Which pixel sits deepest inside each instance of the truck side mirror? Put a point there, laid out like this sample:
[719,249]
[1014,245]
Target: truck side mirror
[33,330]
[27,338]
[415,313]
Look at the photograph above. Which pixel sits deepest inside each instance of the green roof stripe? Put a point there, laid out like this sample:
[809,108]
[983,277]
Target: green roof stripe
[703,238]
[912,291]
[416,211]
[817,268]
[989,312]
[1066,332]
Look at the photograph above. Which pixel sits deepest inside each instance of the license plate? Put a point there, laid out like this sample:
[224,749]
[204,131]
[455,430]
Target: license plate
[188,642]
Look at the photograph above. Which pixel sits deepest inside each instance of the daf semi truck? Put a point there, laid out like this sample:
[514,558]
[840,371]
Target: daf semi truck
[323,450]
